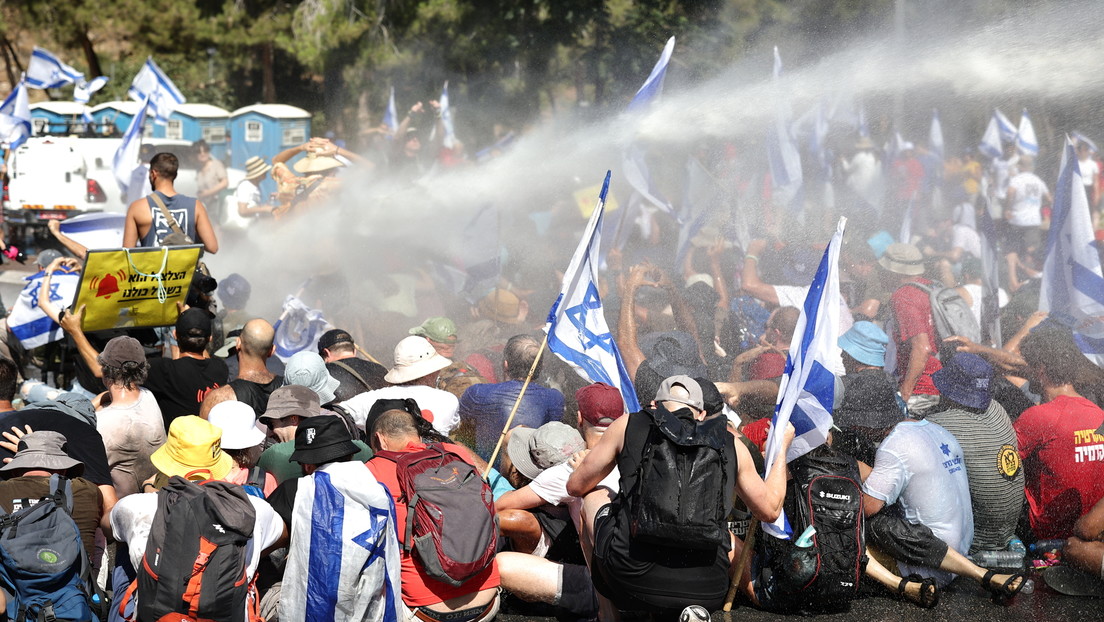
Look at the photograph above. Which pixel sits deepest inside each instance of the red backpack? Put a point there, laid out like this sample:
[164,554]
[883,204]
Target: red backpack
[450,517]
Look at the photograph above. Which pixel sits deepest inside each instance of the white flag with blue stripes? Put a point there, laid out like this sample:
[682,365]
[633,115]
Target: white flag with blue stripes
[126,156]
[782,154]
[808,389]
[990,144]
[15,117]
[29,323]
[577,329]
[1007,129]
[152,83]
[344,561]
[634,162]
[1025,137]
[46,71]
[390,117]
[1073,286]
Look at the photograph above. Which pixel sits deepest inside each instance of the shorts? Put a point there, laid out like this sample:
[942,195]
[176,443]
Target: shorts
[904,541]
[560,536]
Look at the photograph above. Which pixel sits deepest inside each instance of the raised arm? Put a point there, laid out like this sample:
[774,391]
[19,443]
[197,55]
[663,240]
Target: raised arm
[78,249]
[750,281]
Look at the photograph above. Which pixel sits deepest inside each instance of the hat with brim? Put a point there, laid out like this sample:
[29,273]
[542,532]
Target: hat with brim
[307,369]
[534,450]
[866,343]
[230,346]
[869,401]
[322,439]
[193,450]
[291,399]
[256,167]
[240,429]
[44,450]
[965,379]
[415,358]
[437,329]
[500,305]
[316,164]
[903,259]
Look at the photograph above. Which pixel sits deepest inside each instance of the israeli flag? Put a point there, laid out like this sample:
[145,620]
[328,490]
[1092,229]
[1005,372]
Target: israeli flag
[991,141]
[46,71]
[935,134]
[449,139]
[298,328]
[577,329]
[15,117]
[1007,129]
[785,162]
[390,117]
[634,163]
[83,92]
[1079,138]
[990,293]
[151,83]
[1073,286]
[1025,137]
[344,560]
[126,156]
[808,389]
[652,88]
[30,324]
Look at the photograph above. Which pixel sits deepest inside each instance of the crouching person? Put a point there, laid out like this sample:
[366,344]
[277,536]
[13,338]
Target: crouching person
[648,555]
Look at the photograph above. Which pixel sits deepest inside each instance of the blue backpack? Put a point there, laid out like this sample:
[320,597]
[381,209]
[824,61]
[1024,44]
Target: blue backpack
[43,564]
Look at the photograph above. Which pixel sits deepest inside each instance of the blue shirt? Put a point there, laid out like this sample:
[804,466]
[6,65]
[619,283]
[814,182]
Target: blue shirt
[488,405]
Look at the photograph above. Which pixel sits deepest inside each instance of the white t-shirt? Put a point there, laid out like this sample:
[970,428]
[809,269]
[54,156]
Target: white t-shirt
[920,467]
[248,193]
[443,405]
[1027,204]
[967,239]
[1090,170]
[551,486]
[133,516]
[131,434]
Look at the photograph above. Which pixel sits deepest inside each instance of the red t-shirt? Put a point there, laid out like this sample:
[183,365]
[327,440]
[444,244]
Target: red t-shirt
[912,316]
[767,366]
[418,588]
[1063,460]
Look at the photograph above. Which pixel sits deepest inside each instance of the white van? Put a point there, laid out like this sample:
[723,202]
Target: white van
[48,180]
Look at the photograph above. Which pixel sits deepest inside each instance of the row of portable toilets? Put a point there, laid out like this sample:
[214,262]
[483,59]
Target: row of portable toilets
[258,130]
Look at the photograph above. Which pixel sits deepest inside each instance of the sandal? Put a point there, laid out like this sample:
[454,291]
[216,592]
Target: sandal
[1002,594]
[927,597]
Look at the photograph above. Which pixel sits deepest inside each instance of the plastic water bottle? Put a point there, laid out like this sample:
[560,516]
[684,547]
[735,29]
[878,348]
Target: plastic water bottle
[1042,546]
[1017,546]
[805,540]
[998,559]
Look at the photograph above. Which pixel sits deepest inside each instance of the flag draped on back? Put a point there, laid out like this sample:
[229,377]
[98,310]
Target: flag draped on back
[151,83]
[344,561]
[298,328]
[15,117]
[126,156]
[390,117]
[808,388]
[30,324]
[1025,137]
[577,329]
[1073,286]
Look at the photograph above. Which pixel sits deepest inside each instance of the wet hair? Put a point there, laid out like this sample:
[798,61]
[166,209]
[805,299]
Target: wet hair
[165,165]
[519,353]
[1051,347]
[395,423]
[130,374]
[9,379]
[194,345]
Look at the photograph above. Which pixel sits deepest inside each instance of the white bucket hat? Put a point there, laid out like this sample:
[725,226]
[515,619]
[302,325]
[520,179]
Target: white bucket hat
[415,358]
[238,423]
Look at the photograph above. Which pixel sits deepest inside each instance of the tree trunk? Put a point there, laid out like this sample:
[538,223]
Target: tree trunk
[268,78]
[89,55]
[12,78]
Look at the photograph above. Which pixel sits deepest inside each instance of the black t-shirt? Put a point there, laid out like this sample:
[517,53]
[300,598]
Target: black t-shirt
[370,373]
[255,394]
[282,500]
[180,385]
[83,442]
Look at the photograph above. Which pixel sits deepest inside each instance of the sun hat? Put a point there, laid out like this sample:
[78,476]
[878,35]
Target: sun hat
[500,305]
[533,451]
[309,370]
[234,291]
[869,401]
[255,167]
[903,259]
[866,343]
[314,163]
[321,440]
[600,404]
[291,399]
[193,450]
[415,358]
[965,379]
[332,337]
[122,349]
[45,450]
[238,423]
[439,329]
[692,387]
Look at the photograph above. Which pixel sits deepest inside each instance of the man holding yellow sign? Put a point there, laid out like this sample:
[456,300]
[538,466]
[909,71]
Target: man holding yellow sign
[133,287]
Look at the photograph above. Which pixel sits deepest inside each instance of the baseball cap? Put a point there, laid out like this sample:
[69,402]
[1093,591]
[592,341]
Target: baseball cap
[333,337]
[533,451]
[122,349]
[292,399]
[439,329]
[600,404]
[321,440]
[694,400]
[194,322]
[965,379]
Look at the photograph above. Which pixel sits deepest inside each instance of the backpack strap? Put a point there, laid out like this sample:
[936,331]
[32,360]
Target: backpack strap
[167,214]
[354,372]
[61,493]
[256,477]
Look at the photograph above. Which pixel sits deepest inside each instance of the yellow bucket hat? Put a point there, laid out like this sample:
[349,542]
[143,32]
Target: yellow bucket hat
[193,451]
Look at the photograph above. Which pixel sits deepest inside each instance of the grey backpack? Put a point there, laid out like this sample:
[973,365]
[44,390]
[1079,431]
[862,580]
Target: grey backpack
[950,315]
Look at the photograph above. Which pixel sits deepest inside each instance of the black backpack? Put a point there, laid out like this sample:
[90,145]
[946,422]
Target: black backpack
[195,562]
[825,492]
[684,486]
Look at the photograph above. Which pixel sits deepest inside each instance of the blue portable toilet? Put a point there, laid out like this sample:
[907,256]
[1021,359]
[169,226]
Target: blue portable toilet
[265,130]
[114,117]
[195,121]
[57,118]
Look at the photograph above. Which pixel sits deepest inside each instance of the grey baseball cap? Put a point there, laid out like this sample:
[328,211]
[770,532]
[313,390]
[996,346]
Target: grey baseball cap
[695,399]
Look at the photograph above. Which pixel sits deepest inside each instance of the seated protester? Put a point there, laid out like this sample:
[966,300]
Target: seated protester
[288,406]
[1084,550]
[354,375]
[983,429]
[27,481]
[768,360]
[243,440]
[181,384]
[488,406]
[424,597]
[663,572]
[919,467]
[440,332]
[309,370]
[870,405]
[414,375]
[192,452]
[130,424]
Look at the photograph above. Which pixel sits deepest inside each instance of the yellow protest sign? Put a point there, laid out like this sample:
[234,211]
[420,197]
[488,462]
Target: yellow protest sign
[126,288]
[587,198]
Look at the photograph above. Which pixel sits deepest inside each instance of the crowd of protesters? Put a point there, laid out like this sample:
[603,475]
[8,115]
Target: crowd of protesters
[965,444]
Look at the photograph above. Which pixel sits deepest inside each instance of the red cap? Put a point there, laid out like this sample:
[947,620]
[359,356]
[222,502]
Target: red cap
[600,404]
